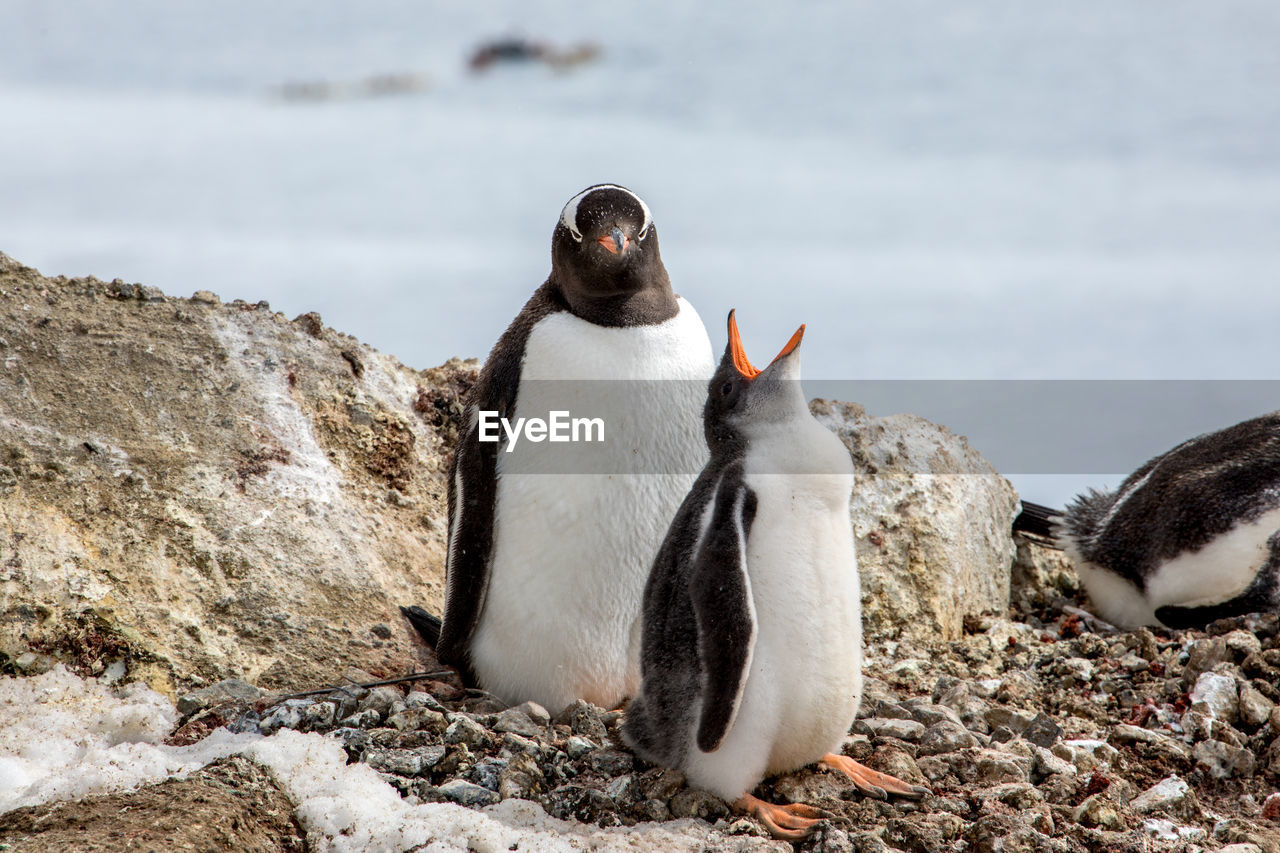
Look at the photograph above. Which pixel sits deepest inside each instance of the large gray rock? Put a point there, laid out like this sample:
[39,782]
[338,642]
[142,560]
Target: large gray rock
[932,520]
[200,490]
[208,490]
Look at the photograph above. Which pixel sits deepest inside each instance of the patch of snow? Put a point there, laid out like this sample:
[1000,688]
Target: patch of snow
[349,808]
[63,737]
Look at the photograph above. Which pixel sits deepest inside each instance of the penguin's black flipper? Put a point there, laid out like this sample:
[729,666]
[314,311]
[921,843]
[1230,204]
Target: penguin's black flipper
[424,623]
[1036,520]
[721,594]
[473,487]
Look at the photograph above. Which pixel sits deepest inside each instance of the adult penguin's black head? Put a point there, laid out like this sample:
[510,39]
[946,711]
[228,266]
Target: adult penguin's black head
[605,260]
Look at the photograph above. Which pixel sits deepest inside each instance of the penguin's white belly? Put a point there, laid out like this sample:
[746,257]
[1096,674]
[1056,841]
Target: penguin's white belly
[805,680]
[573,542]
[1219,571]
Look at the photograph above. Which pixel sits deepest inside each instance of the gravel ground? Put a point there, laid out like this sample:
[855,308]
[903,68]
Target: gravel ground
[1041,729]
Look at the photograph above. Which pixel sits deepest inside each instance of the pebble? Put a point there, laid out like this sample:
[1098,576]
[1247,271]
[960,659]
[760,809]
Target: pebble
[1134,664]
[927,713]
[1100,812]
[1170,795]
[1242,643]
[993,768]
[1014,721]
[535,712]
[945,736]
[969,708]
[1048,764]
[1017,688]
[287,715]
[319,715]
[660,783]
[908,730]
[1077,670]
[1222,760]
[1086,755]
[466,793]
[578,746]
[1043,731]
[695,802]
[585,720]
[403,762]
[1167,830]
[1018,795]
[1125,733]
[227,690]
[487,772]
[610,762]
[519,744]
[522,778]
[421,699]
[418,718]
[1219,692]
[380,699]
[517,721]
[1204,655]
[369,718]
[1255,709]
[466,731]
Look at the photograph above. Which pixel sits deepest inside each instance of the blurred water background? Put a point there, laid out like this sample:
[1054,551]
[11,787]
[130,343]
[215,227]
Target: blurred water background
[987,190]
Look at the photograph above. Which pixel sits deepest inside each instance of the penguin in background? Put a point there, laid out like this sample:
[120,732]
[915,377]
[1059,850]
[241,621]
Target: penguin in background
[1190,537]
[752,623]
[546,567]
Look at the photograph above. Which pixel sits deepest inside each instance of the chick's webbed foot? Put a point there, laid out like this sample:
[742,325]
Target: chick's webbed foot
[872,783]
[793,822]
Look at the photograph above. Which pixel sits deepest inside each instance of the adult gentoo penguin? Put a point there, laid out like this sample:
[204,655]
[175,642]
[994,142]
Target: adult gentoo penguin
[752,633]
[546,567]
[1190,537]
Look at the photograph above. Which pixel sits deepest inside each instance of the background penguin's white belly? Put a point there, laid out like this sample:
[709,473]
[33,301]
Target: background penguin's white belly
[572,550]
[1215,573]
[805,679]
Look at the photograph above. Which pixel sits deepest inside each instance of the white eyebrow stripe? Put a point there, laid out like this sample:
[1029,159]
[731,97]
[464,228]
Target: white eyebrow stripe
[569,216]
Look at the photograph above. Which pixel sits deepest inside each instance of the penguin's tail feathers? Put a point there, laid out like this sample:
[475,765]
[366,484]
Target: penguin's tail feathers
[424,623]
[1037,520]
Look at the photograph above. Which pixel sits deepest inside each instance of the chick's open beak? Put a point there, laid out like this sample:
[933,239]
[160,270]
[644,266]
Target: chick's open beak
[740,361]
[615,241]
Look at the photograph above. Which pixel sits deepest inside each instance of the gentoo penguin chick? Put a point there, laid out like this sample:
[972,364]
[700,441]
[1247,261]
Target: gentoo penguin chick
[1190,537]
[752,634]
[547,563]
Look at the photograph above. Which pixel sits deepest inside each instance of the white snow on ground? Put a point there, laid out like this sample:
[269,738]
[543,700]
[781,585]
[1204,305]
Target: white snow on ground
[66,738]
[63,738]
[348,808]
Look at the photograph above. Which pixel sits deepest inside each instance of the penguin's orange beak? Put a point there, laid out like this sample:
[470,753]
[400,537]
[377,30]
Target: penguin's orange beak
[740,361]
[615,242]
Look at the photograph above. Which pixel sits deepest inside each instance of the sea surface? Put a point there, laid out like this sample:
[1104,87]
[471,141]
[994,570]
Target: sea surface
[987,190]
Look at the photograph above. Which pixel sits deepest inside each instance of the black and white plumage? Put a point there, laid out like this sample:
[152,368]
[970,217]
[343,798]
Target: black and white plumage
[546,568]
[1190,537]
[752,631]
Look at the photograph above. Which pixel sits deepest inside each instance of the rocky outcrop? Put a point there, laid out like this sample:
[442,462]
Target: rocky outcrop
[932,521]
[192,490]
[199,489]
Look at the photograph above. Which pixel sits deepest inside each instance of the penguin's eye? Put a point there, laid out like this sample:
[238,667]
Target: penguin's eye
[726,389]
[643,234]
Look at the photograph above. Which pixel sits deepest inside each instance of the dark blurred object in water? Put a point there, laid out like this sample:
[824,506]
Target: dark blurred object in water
[524,50]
